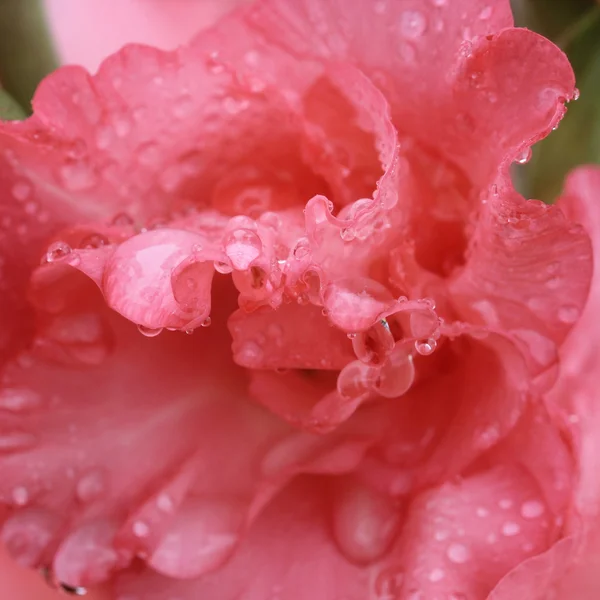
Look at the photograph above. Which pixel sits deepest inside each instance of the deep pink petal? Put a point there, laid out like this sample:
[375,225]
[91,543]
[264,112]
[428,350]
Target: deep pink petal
[577,393]
[527,272]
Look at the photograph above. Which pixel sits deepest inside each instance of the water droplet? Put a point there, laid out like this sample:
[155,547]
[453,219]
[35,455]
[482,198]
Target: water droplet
[165,503]
[206,323]
[458,553]
[364,522]
[436,575]
[149,331]
[19,399]
[439,3]
[234,106]
[425,347]
[214,63]
[374,345]
[140,529]
[388,584]
[77,176]
[94,240]
[510,529]
[242,246]
[355,379]
[74,590]
[576,94]
[524,156]
[485,13]
[183,106]
[58,251]
[506,504]
[91,486]
[20,496]
[482,512]
[16,441]
[21,190]
[412,24]
[122,220]
[532,509]
[423,324]
[396,375]
[568,313]
[249,355]
[223,267]
[302,249]
[27,534]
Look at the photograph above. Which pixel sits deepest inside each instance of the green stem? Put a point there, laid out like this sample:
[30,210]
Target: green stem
[578,28]
[26,51]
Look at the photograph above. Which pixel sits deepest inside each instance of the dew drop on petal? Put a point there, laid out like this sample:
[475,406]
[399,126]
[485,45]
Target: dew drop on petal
[458,553]
[412,24]
[140,529]
[568,314]
[396,375]
[374,345]
[510,529]
[242,246]
[524,156]
[91,486]
[425,347]
[149,331]
[19,399]
[223,267]
[436,575]
[532,509]
[20,496]
[58,251]
[27,534]
[165,503]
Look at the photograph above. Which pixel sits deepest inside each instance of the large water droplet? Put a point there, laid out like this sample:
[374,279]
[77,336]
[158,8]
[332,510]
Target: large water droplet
[200,538]
[19,399]
[58,251]
[374,345]
[140,529]
[242,246]
[149,331]
[524,156]
[365,522]
[426,347]
[355,379]
[396,375]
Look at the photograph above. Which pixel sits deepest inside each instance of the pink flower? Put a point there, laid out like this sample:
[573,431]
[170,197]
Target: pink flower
[375,426]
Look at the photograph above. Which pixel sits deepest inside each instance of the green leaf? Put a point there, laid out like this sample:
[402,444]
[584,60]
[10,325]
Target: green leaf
[577,139]
[9,109]
[26,51]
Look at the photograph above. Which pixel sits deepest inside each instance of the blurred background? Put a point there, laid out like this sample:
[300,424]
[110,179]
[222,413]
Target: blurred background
[37,35]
